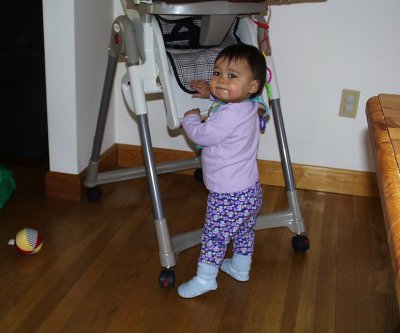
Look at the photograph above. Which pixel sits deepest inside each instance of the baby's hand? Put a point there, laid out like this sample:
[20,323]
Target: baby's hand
[193,111]
[202,87]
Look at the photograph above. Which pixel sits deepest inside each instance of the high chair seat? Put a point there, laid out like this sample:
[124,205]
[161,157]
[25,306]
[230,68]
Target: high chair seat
[190,60]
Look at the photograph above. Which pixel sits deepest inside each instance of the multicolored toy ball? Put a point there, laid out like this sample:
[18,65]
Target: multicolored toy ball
[28,241]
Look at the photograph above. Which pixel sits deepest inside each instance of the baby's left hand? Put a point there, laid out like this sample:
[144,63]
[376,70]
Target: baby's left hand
[202,87]
[193,111]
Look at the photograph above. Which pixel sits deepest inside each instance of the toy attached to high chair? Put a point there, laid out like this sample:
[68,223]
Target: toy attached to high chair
[156,64]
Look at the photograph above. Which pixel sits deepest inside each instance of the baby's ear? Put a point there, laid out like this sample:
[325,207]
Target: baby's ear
[254,85]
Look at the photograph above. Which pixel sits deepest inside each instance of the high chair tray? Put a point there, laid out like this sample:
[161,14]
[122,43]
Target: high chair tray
[218,7]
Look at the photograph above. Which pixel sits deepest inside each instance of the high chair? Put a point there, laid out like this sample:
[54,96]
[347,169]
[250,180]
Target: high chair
[143,36]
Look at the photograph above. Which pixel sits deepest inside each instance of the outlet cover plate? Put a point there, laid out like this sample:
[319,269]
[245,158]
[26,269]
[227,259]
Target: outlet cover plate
[349,103]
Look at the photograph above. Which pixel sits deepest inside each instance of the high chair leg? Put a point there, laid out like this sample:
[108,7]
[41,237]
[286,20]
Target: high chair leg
[290,218]
[166,252]
[92,169]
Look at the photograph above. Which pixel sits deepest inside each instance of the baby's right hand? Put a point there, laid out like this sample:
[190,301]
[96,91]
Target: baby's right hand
[202,87]
[193,111]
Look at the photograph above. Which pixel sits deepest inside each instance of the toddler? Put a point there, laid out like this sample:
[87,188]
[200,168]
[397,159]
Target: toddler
[229,140]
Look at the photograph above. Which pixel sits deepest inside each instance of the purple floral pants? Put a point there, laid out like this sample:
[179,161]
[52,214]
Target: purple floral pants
[230,217]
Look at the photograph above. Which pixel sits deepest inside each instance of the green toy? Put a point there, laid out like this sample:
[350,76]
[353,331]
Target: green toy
[7,185]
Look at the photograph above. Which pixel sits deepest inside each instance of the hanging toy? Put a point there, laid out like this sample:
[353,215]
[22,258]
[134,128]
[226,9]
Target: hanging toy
[27,241]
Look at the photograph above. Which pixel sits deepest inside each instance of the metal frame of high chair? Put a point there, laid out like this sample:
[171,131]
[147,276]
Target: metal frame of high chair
[133,38]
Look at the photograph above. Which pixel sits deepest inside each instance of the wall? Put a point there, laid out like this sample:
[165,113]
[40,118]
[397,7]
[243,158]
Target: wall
[319,49]
[76,40]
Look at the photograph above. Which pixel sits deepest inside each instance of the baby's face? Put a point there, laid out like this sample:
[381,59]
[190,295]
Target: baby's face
[232,82]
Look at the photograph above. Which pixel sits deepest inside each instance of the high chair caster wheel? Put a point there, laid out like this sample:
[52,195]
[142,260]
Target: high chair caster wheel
[167,278]
[300,243]
[94,193]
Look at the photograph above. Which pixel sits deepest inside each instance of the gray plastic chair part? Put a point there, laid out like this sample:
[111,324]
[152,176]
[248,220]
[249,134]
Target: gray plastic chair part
[217,16]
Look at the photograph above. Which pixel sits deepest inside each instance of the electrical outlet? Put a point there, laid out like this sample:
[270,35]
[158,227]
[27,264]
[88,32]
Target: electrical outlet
[349,103]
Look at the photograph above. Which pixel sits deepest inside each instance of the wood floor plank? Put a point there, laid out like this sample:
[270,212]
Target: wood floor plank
[363,271]
[325,300]
[346,302]
[313,213]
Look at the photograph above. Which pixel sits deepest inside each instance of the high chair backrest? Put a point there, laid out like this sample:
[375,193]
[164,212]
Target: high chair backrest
[178,99]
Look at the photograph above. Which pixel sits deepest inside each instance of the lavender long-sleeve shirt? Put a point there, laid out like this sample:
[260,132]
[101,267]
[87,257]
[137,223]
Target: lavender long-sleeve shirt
[230,140]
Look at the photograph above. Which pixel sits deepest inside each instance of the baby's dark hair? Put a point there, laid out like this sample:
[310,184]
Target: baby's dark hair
[254,58]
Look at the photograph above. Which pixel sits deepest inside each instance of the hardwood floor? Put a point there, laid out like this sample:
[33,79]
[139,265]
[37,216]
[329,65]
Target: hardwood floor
[98,268]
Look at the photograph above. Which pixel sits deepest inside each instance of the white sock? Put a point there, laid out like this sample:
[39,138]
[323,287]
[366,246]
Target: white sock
[238,267]
[203,282]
